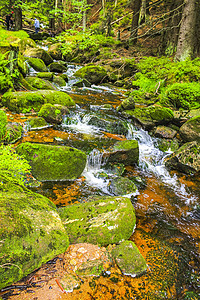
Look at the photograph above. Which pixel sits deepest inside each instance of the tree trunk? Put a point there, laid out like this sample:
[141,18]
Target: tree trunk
[135,20]
[18,18]
[188,40]
[142,16]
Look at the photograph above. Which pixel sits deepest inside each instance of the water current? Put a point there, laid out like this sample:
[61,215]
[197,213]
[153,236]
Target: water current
[166,203]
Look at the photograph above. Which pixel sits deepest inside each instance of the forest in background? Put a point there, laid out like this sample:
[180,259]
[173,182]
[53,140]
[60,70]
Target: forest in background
[172,26]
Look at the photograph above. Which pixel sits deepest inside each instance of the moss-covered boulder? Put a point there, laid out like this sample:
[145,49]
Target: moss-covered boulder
[129,259]
[3,123]
[106,220]
[53,113]
[82,83]
[26,101]
[26,43]
[46,75]
[39,53]
[165,132]
[186,159]
[190,131]
[57,67]
[92,73]
[40,84]
[50,163]
[114,126]
[121,186]
[55,52]
[126,152]
[22,65]
[150,116]
[36,123]
[31,231]
[14,132]
[59,81]
[37,64]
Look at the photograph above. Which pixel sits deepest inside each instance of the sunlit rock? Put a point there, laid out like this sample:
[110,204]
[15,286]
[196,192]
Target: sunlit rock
[46,75]
[40,84]
[105,220]
[31,231]
[53,113]
[14,132]
[28,101]
[51,162]
[36,123]
[165,132]
[126,152]
[186,159]
[55,52]
[59,81]
[37,64]
[39,53]
[190,131]
[129,259]
[92,73]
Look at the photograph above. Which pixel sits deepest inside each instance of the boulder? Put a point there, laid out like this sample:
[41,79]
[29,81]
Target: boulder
[94,74]
[165,132]
[46,75]
[53,113]
[39,53]
[82,83]
[186,159]
[110,125]
[57,67]
[37,64]
[150,116]
[50,163]
[28,101]
[36,123]
[14,132]
[190,130]
[22,65]
[121,186]
[59,81]
[105,220]
[31,231]
[26,43]
[55,52]
[129,259]
[126,152]
[40,84]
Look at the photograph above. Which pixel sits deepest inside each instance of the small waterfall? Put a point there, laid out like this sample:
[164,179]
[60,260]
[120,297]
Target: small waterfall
[151,160]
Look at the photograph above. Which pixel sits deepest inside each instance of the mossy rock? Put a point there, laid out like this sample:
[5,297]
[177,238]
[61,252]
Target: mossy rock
[26,101]
[59,81]
[108,124]
[53,113]
[57,67]
[37,64]
[82,83]
[36,123]
[106,220]
[165,145]
[129,259]
[22,65]
[40,84]
[3,124]
[55,52]
[39,53]
[13,132]
[26,43]
[150,116]
[46,75]
[186,159]
[121,186]
[92,73]
[50,163]
[190,131]
[126,152]
[31,231]
[165,132]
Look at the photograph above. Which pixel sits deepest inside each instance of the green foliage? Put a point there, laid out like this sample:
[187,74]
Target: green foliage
[13,163]
[3,122]
[182,95]
[11,36]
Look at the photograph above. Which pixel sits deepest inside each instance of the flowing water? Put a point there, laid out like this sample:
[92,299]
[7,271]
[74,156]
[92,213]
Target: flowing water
[166,203]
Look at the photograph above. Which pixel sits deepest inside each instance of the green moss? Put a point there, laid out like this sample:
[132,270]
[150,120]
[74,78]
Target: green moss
[59,81]
[37,122]
[40,84]
[13,132]
[126,145]
[30,230]
[93,73]
[46,75]
[53,162]
[106,220]
[37,64]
